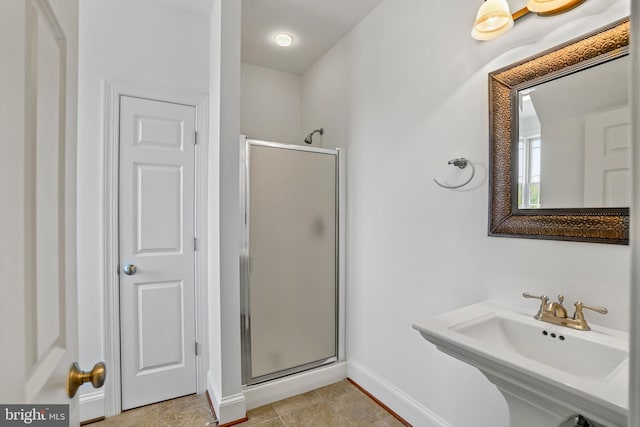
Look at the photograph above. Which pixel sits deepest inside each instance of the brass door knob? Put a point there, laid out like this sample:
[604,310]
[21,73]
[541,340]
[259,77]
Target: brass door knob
[76,377]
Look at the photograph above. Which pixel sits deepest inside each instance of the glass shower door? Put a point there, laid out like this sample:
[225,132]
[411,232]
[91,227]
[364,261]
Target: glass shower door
[290,264]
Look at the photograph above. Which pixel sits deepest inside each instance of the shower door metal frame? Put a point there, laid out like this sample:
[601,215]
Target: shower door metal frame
[245,260]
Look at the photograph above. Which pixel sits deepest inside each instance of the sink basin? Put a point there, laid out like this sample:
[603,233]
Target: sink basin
[539,364]
[577,353]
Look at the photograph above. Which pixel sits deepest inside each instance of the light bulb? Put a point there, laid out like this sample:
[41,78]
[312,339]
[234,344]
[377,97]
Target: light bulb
[284,39]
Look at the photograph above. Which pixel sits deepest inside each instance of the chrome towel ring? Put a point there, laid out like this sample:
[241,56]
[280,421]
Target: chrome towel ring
[461,163]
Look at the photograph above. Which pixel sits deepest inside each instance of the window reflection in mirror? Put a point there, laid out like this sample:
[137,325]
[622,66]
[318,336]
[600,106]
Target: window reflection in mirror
[529,172]
[574,140]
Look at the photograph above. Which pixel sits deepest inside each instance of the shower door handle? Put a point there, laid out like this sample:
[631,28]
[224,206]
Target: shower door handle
[246,272]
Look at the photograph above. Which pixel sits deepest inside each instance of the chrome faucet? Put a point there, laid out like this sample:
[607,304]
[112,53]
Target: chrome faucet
[554,312]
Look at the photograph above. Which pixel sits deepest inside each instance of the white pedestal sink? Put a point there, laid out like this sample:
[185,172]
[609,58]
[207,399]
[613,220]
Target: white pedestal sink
[546,373]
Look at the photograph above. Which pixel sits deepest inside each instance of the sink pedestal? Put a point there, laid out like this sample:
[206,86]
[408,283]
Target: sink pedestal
[524,414]
[532,402]
[529,409]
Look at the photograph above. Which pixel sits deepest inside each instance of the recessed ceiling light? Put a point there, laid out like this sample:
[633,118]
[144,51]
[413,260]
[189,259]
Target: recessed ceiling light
[284,39]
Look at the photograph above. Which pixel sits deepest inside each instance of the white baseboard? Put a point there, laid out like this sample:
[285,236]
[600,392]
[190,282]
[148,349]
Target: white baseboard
[272,391]
[229,408]
[92,405]
[233,408]
[398,401]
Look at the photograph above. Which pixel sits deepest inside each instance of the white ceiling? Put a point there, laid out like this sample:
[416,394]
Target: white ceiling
[198,6]
[315,25]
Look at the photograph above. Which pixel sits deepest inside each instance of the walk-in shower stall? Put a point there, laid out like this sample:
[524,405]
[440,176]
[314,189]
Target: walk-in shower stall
[290,259]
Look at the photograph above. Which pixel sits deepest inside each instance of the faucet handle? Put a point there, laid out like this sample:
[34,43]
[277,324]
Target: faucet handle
[540,297]
[580,306]
[579,316]
[544,300]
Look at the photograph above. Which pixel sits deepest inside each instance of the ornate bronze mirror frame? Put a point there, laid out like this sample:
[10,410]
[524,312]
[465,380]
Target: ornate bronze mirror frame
[596,225]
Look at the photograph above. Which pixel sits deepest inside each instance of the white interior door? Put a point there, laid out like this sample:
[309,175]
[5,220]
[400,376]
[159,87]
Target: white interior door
[37,205]
[607,180]
[157,304]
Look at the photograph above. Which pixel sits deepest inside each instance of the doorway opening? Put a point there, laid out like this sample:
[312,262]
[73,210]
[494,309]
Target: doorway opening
[141,338]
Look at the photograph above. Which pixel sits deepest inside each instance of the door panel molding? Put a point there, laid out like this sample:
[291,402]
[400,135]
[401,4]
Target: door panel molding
[46,207]
[112,91]
[171,178]
[149,294]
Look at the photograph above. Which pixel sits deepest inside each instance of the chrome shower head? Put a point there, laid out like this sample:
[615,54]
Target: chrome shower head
[309,138]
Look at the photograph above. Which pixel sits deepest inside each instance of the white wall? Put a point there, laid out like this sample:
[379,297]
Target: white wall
[142,42]
[325,98]
[271,105]
[224,377]
[406,91]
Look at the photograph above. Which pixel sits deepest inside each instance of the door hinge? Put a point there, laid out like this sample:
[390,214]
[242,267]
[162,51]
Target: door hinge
[195,137]
[197,348]
[118,269]
[195,244]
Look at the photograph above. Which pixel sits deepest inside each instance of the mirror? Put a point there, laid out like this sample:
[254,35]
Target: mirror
[574,140]
[560,141]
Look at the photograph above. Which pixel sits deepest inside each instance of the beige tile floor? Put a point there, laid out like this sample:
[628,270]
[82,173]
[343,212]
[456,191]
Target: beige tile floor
[186,411]
[337,405]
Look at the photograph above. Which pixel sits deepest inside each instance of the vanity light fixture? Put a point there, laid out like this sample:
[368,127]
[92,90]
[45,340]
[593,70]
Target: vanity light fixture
[494,17]
[284,39]
[551,7]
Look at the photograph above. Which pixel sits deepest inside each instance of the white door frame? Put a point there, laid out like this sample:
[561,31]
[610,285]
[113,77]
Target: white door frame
[110,257]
